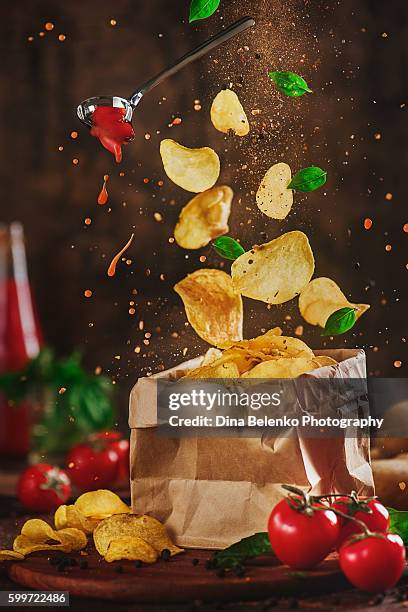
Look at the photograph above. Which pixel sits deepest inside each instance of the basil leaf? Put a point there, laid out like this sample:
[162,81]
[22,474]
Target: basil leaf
[340,321]
[308,179]
[201,9]
[227,247]
[399,523]
[289,83]
[238,553]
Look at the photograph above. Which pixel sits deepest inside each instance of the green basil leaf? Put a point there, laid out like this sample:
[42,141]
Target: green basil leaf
[238,553]
[340,321]
[289,83]
[308,179]
[227,247]
[399,523]
[201,9]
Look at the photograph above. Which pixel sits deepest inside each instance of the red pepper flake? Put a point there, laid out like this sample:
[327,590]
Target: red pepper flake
[368,223]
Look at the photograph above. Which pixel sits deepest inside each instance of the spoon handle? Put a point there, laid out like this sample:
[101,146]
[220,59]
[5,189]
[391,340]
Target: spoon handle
[235,28]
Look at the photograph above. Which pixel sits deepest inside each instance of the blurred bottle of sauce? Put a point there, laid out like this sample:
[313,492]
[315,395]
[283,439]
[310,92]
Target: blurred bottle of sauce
[20,337]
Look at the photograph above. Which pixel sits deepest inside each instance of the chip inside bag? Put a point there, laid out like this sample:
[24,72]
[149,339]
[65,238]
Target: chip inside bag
[204,218]
[321,297]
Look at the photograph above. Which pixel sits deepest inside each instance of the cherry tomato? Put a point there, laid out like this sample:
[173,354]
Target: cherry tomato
[43,487]
[378,520]
[374,563]
[92,465]
[299,539]
[115,441]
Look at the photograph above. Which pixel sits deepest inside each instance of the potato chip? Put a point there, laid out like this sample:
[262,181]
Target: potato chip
[232,360]
[321,297]
[204,217]
[285,367]
[273,197]
[213,307]
[228,114]
[25,546]
[69,516]
[323,360]
[72,539]
[131,548]
[39,531]
[10,555]
[272,342]
[36,535]
[211,355]
[275,272]
[192,169]
[100,504]
[132,525]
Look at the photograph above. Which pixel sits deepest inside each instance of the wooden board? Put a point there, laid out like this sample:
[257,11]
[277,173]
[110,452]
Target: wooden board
[176,580]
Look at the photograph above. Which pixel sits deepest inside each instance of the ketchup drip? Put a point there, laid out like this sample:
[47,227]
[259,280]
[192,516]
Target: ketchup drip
[103,194]
[113,131]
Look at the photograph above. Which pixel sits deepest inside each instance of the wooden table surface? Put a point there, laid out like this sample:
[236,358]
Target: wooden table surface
[11,519]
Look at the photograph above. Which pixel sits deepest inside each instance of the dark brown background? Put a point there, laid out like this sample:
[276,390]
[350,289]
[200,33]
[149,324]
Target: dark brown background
[355,59]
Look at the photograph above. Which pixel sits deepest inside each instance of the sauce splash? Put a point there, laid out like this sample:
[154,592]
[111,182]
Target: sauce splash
[114,262]
[113,131]
[103,194]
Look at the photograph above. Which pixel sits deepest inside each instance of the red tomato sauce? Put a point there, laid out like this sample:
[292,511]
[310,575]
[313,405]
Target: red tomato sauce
[109,126]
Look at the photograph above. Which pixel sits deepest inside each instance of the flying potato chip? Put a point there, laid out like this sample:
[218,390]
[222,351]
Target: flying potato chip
[275,272]
[213,307]
[323,360]
[69,516]
[100,504]
[285,367]
[191,169]
[131,548]
[273,197]
[132,525]
[228,114]
[204,217]
[10,555]
[321,297]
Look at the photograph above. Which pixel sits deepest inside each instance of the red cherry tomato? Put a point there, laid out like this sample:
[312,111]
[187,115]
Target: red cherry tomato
[374,563]
[121,446]
[301,540]
[123,450]
[92,465]
[43,487]
[378,520]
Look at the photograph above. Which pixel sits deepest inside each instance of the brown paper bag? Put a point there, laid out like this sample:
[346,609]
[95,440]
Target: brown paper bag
[211,492]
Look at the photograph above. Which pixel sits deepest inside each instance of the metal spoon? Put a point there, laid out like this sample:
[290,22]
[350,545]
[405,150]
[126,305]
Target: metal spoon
[87,107]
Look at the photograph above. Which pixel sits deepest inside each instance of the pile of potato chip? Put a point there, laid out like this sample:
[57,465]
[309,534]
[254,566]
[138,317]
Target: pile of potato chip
[117,533]
[37,534]
[271,355]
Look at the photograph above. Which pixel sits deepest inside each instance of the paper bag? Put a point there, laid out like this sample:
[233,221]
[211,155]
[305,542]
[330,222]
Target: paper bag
[211,492]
